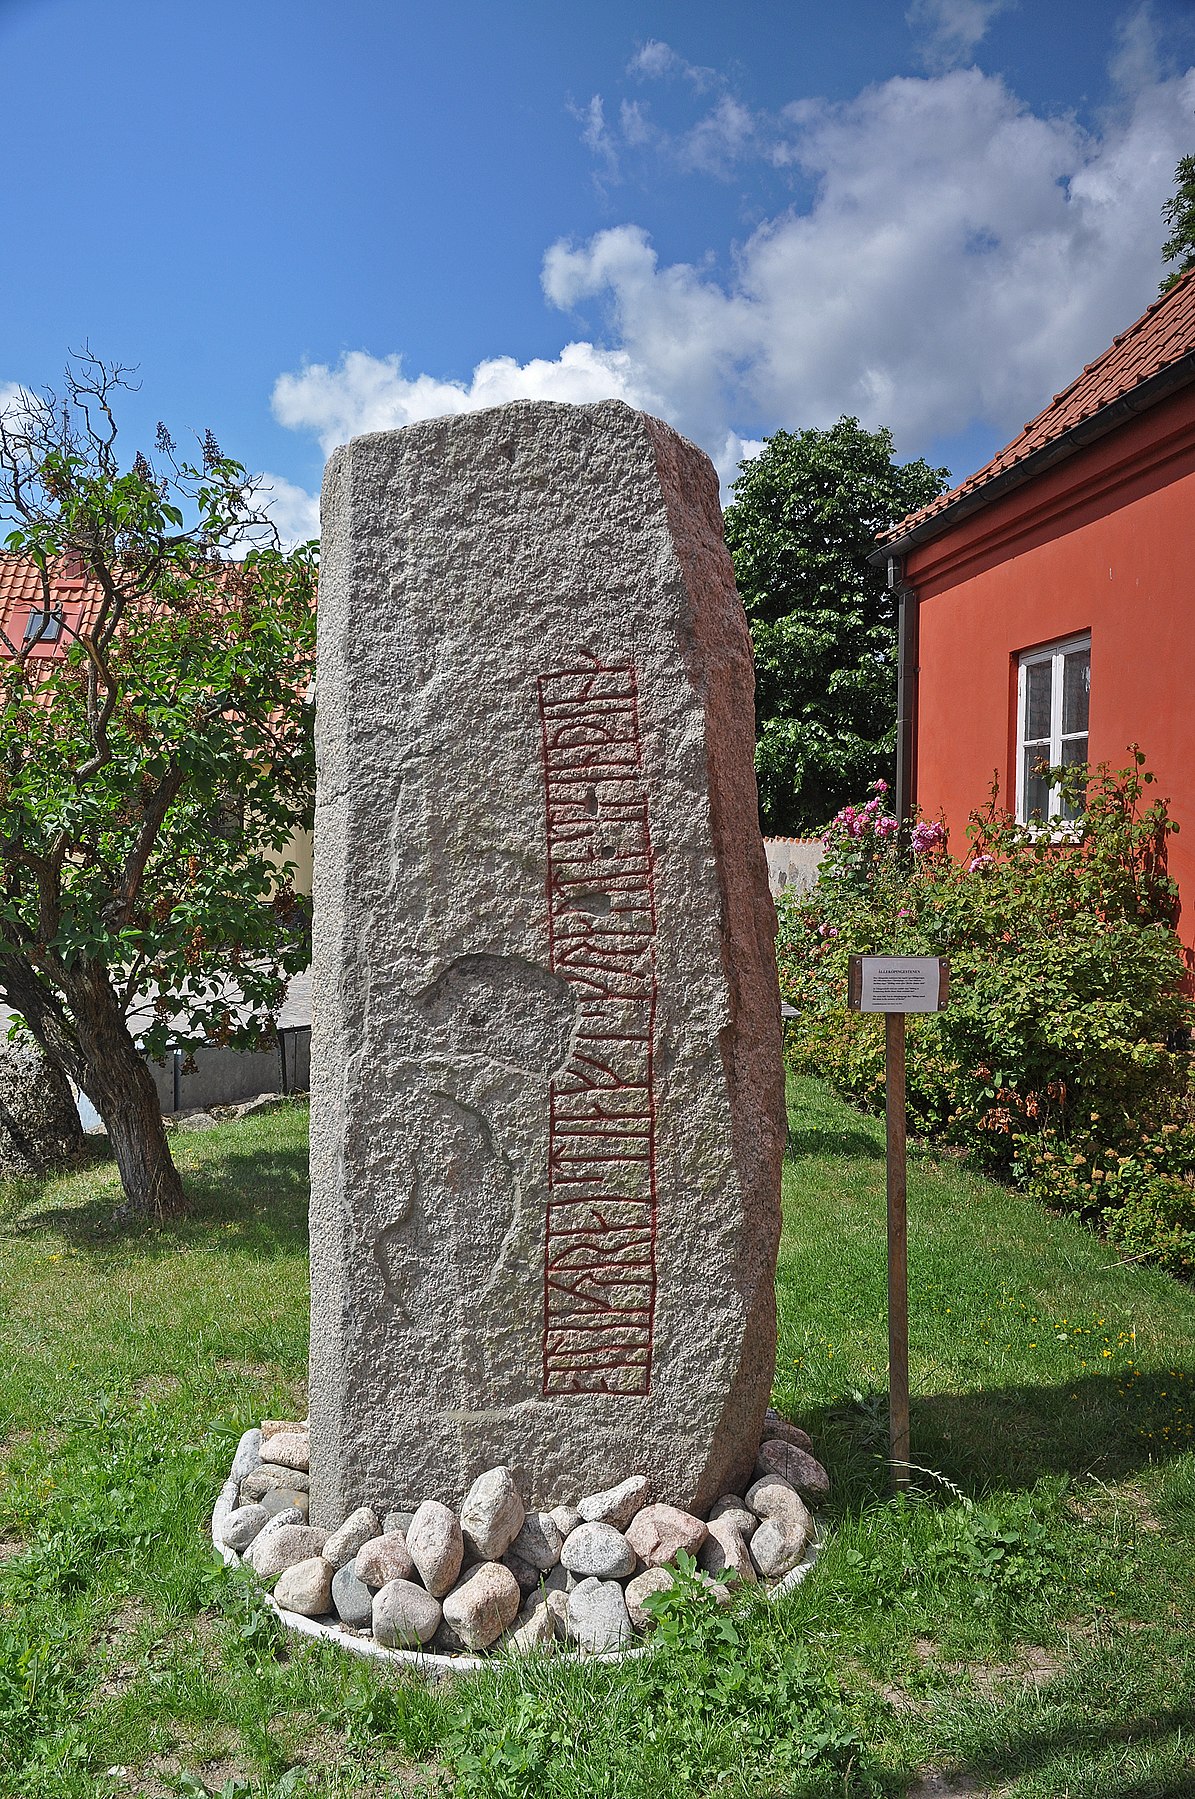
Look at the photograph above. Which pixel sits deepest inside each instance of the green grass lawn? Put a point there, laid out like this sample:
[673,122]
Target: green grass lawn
[1021,1625]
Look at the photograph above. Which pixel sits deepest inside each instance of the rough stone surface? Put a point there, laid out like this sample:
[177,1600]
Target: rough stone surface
[39,1121]
[384,1558]
[774,1426]
[492,1514]
[241,1526]
[652,1580]
[600,1550]
[485,1603]
[290,1449]
[527,1576]
[536,1628]
[566,1518]
[617,1505]
[436,1546]
[397,1521]
[283,1546]
[351,1598]
[785,1530]
[795,1465]
[539,1542]
[269,1474]
[659,1532]
[271,1427]
[730,1506]
[353,1534]
[306,1587]
[597,1616]
[282,1499]
[405,1615]
[727,1547]
[543,971]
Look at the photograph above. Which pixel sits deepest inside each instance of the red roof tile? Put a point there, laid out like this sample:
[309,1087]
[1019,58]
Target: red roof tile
[1161,337]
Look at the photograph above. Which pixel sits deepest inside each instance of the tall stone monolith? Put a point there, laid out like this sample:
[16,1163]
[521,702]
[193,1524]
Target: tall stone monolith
[546,1076]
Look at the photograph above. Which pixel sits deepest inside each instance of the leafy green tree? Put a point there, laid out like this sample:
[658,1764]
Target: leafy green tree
[1179,215]
[802,522]
[154,772]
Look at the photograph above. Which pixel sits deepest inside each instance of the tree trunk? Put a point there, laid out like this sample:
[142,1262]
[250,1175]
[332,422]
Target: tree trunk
[120,1086]
[85,1034]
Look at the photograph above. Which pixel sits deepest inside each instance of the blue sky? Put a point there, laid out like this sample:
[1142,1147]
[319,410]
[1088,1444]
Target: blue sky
[302,219]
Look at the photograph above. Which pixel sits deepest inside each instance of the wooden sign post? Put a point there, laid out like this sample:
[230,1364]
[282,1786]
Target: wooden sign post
[895,985]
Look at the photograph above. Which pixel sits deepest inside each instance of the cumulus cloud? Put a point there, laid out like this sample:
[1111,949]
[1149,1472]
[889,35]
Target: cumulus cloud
[961,258]
[953,29]
[372,393]
[294,511]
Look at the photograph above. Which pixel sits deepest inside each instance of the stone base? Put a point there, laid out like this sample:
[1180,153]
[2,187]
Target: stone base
[434,1662]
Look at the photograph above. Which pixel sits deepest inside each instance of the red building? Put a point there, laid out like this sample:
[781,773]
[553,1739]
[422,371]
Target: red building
[1048,603]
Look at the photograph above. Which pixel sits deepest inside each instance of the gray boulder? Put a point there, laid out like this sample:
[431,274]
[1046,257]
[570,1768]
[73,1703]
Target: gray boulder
[39,1121]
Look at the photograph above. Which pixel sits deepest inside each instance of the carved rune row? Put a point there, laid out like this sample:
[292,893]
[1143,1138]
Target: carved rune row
[599,1262]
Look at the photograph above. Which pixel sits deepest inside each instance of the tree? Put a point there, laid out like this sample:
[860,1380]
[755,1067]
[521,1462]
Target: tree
[802,522]
[1179,215]
[152,774]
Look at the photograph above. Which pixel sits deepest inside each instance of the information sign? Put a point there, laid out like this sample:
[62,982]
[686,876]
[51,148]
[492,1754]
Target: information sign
[898,983]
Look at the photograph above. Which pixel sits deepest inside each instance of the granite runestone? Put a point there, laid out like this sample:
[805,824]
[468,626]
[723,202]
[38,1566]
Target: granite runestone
[539,879]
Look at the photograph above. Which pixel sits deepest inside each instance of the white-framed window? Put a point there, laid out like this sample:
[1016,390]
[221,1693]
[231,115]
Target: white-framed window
[1053,690]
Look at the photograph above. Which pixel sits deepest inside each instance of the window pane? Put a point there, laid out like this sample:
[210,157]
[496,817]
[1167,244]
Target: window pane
[1037,787]
[1038,678]
[1074,750]
[1076,685]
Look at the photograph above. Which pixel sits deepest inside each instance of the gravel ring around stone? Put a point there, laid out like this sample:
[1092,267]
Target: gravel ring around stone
[426,1661]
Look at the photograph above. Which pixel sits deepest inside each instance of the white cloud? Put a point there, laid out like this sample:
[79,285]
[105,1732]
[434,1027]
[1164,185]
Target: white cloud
[371,393]
[294,511]
[953,29]
[656,61]
[961,258]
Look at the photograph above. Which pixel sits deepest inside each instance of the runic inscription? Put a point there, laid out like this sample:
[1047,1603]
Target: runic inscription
[599,1262]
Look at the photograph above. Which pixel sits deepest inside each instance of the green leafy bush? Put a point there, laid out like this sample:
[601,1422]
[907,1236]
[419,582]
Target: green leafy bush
[1063,1061]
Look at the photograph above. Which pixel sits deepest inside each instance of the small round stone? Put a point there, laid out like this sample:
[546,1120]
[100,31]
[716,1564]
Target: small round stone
[483,1605]
[353,1534]
[598,1550]
[306,1588]
[598,1619]
[659,1532]
[435,1546]
[617,1505]
[241,1526]
[351,1598]
[396,1521]
[790,1462]
[279,1499]
[652,1580]
[384,1559]
[774,1426]
[266,1475]
[539,1542]
[492,1515]
[283,1546]
[566,1519]
[290,1449]
[405,1616]
[535,1629]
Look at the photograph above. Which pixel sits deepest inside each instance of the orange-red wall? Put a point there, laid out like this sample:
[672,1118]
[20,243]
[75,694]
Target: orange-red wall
[1105,542]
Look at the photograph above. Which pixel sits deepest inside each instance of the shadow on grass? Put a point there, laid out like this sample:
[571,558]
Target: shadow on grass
[256,1200]
[1020,1749]
[821,1140]
[1007,1438]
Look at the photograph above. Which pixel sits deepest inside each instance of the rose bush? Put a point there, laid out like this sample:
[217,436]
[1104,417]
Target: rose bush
[1063,1061]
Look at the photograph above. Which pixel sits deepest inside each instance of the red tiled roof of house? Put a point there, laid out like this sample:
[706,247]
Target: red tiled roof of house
[1160,338]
